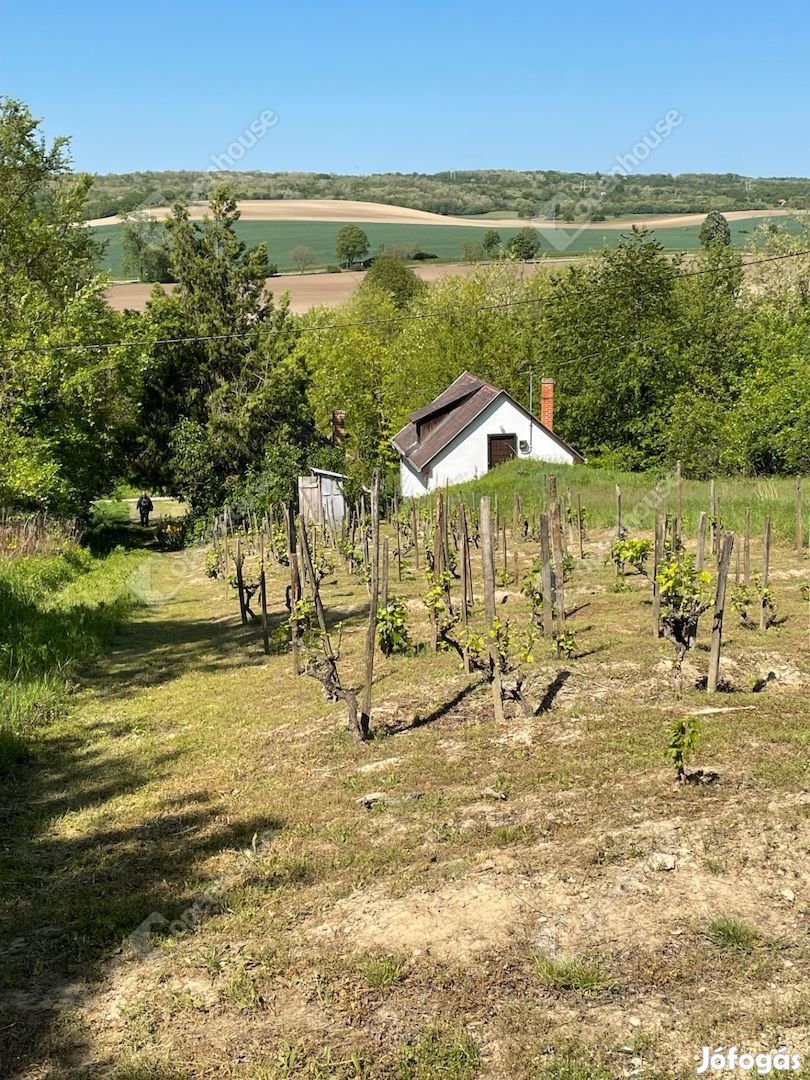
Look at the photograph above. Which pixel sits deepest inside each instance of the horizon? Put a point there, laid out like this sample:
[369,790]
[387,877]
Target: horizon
[364,92]
[235,171]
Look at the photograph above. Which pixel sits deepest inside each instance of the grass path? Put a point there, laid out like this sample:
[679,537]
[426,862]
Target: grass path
[502,899]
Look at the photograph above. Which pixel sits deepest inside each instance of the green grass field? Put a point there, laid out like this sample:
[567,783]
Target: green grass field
[445,241]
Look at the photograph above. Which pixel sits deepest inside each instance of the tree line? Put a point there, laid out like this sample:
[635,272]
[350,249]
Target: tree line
[217,392]
[529,194]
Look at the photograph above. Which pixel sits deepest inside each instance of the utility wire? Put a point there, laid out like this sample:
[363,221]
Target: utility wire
[394,320]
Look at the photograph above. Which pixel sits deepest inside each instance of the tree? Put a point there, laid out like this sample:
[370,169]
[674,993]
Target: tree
[472,252]
[395,278]
[491,244]
[614,321]
[65,410]
[351,245]
[146,248]
[354,368]
[225,381]
[524,245]
[303,257]
[715,230]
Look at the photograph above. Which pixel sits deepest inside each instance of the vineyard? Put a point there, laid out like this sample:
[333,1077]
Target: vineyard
[500,828]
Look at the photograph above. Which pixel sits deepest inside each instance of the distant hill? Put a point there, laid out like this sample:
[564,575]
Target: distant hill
[541,193]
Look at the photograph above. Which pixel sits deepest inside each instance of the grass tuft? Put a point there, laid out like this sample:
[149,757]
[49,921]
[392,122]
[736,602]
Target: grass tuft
[384,970]
[728,933]
[571,1066]
[584,977]
[439,1052]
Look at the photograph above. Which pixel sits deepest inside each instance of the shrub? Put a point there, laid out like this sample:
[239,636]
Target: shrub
[170,535]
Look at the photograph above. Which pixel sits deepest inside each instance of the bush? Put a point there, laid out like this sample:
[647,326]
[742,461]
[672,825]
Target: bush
[170,535]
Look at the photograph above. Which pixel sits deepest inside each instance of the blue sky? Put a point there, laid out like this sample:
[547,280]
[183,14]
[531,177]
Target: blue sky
[361,87]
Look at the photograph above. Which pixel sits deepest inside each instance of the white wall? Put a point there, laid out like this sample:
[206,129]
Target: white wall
[466,457]
[411,482]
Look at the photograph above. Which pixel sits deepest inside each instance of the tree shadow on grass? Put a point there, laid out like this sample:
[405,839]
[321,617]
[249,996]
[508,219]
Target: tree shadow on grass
[70,897]
[441,710]
[552,690]
[70,901]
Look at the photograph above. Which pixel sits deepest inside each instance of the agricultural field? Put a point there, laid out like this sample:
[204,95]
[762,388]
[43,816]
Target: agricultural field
[210,876]
[446,241]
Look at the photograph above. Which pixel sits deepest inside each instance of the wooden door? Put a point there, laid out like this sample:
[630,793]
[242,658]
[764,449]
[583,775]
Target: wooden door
[501,448]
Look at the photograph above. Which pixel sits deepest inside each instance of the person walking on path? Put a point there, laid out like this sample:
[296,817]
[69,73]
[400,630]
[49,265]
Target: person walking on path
[145,507]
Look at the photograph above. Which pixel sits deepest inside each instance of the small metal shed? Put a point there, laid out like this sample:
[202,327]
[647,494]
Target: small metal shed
[320,497]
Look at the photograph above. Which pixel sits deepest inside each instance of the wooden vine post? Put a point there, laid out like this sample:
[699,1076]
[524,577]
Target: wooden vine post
[384,591]
[701,541]
[713,509]
[364,722]
[658,558]
[295,582]
[618,521]
[679,492]
[263,596]
[799,523]
[719,606]
[226,560]
[747,548]
[438,537]
[399,541]
[580,529]
[464,565]
[557,549]
[546,575]
[766,566]
[240,581]
[488,559]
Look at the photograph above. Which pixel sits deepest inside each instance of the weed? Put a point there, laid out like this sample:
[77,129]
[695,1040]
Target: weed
[584,977]
[730,933]
[382,971]
[438,1052]
[572,1066]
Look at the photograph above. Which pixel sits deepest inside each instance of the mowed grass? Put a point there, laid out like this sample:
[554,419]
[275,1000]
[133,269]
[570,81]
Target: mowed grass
[445,241]
[500,911]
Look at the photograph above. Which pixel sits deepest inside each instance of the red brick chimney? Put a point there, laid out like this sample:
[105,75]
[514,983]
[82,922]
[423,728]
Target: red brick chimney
[338,427]
[547,404]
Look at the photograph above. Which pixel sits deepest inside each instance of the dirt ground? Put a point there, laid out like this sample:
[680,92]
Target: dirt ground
[309,290]
[382,213]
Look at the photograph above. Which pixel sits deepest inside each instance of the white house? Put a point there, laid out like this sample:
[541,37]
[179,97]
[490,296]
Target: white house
[470,428]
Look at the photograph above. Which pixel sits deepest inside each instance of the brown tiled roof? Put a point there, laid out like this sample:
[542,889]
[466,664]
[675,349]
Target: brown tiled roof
[462,402]
[465,385]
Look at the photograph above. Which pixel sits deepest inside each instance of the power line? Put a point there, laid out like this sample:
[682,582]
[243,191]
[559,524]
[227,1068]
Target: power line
[394,320]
